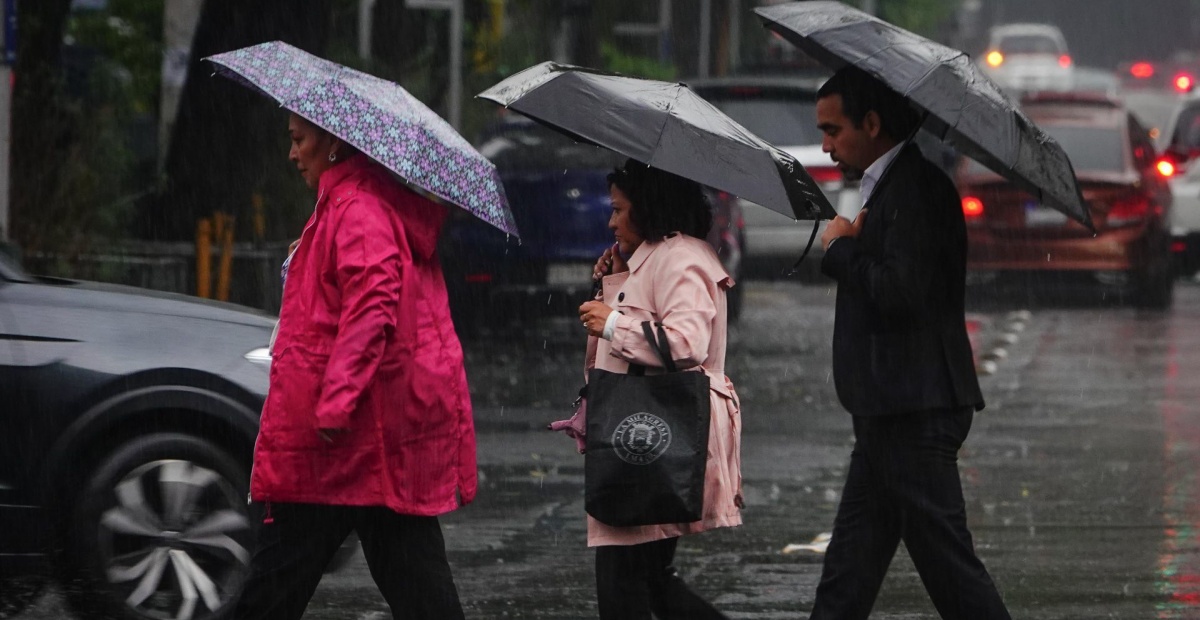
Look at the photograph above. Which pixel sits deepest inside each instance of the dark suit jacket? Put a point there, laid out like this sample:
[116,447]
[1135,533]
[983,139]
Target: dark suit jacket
[900,338]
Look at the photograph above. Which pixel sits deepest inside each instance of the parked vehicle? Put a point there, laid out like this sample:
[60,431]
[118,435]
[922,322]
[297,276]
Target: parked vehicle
[1011,234]
[1028,57]
[782,111]
[126,430]
[558,191]
[1181,147]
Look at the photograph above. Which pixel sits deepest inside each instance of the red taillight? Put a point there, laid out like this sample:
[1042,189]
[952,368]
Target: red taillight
[972,208]
[1165,168]
[1064,61]
[1178,247]
[824,174]
[479,278]
[1183,82]
[1142,70]
[1128,210]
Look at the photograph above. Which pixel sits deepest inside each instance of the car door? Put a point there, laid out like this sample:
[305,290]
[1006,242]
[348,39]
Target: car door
[23,533]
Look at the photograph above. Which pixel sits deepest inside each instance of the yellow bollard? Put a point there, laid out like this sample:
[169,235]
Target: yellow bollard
[225,273]
[204,258]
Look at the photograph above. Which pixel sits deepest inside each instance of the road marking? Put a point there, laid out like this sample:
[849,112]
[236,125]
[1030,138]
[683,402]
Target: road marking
[818,545]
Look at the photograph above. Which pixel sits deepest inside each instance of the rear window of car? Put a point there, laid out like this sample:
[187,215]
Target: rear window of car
[528,147]
[1186,135]
[1029,44]
[778,118]
[1091,149]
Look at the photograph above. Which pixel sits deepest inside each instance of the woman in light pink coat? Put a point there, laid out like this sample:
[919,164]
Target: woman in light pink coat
[662,270]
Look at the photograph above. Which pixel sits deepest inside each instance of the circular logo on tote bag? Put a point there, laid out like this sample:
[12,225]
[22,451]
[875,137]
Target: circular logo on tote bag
[641,438]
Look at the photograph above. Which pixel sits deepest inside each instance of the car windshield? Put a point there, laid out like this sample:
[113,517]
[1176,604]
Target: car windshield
[525,147]
[1028,44]
[1090,149]
[783,121]
[1186,136]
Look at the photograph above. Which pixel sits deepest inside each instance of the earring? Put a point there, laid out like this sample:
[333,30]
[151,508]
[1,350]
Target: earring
[332,156]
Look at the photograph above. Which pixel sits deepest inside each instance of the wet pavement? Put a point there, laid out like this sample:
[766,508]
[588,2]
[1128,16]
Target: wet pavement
[1082,476]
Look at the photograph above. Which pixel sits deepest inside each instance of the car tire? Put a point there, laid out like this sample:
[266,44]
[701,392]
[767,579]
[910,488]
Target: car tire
[1157,291]
[160,529]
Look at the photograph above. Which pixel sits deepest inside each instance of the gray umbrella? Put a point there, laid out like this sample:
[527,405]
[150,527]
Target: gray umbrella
[665,125]
[962,106]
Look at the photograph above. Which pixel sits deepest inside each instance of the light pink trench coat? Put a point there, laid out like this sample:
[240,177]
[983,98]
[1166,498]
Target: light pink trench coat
[679,282]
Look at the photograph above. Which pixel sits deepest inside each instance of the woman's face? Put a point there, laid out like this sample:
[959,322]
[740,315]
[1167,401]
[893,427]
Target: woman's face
[628,238]
[310,149]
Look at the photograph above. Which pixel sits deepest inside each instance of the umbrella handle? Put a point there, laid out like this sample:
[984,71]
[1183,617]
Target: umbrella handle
[811,238]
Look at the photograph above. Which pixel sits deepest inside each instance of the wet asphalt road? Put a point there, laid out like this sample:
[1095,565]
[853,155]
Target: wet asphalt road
[1082,475]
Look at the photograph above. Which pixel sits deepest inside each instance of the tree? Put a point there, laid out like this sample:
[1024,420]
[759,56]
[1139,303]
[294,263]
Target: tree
[42,126]
[229,141]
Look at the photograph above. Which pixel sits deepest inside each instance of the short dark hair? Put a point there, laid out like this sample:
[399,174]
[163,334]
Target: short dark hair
[861,93]
[662,202]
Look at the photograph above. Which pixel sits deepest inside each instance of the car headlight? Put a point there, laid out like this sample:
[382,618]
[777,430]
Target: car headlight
[261,355]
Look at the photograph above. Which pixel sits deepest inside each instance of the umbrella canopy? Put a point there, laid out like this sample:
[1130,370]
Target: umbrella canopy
[963,107]
[665,125]
[378,118]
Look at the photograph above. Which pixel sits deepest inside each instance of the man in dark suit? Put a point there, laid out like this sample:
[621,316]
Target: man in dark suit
[902,362]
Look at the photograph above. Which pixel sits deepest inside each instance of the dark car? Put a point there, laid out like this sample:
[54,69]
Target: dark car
[1011,234]
[127,420]
[558,191]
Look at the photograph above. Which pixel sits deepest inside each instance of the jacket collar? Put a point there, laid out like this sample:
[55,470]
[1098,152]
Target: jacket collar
[339,172]
[898,161]
[643,252]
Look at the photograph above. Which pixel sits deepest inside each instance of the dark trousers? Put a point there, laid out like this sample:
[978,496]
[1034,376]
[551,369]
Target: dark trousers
[633,581]
[406,556]
[903,484]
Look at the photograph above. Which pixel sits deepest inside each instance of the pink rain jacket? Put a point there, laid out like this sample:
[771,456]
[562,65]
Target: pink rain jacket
[365,343]
[678,281]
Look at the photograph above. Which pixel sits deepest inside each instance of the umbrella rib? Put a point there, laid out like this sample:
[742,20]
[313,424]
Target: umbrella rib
[667,113]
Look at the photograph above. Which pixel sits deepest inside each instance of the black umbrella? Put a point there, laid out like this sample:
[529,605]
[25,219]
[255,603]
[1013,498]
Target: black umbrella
[665,125]
[962,106]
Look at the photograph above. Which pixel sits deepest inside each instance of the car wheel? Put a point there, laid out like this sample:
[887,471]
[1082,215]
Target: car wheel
[1157,290]
[161,530]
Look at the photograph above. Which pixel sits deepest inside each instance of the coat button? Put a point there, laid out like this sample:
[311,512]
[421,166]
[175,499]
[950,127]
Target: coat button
[621,297]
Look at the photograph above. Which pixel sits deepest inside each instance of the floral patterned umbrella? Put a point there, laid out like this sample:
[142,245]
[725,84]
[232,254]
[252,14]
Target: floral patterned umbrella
[378,118]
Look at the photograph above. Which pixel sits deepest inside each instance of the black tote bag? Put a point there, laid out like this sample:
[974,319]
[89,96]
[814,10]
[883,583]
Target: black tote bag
[647,443]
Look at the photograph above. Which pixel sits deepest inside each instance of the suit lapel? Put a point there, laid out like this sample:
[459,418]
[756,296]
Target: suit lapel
[876,205]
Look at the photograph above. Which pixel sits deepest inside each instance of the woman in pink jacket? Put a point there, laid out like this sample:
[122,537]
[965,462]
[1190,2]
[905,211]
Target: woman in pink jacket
[367,425]
[663,270]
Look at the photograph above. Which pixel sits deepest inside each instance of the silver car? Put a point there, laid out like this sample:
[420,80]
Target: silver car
[1181,146]
[782,111]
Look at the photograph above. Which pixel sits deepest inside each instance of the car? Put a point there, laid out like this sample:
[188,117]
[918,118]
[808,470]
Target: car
[1180,142]
[558,191]
[126,431]
[780,109]
[1010,234]
[1176,74]
[1024,57]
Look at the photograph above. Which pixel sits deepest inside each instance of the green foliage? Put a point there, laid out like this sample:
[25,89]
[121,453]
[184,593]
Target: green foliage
[129,34]
[923,17]
[639,66]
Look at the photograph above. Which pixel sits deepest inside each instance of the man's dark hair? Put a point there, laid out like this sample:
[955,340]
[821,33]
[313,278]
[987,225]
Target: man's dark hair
[861,92]
[662,202]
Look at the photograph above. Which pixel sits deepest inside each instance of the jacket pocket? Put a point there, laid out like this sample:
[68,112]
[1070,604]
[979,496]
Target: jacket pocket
[289,417]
